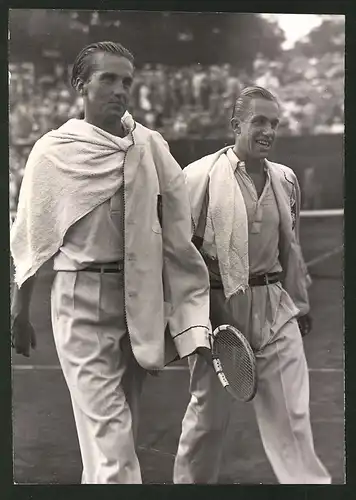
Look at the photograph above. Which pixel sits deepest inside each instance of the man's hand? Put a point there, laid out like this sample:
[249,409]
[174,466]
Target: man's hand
[23,336]
[205,352]
[305,324]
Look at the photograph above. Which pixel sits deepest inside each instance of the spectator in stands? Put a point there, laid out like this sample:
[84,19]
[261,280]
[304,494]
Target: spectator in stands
[21,122]
[197,81]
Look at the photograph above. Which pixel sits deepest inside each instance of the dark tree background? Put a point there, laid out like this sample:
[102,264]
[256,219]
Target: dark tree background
[168,38]
[178,98]
[328,37]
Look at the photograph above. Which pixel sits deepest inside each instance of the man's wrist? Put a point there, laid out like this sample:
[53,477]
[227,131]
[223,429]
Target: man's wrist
[19,309]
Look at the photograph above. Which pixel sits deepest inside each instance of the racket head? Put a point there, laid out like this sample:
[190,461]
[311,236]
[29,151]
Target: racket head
[234,362]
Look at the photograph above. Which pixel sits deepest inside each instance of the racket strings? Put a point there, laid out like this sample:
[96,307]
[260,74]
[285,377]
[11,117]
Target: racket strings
[237,363]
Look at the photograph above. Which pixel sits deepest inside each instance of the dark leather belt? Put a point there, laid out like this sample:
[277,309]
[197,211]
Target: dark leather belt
[264,279]
[115,267]
[254,280]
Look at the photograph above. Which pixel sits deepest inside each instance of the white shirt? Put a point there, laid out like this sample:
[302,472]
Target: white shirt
[96,238]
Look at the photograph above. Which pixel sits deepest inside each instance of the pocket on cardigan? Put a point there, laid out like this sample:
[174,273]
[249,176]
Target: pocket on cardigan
[157,225]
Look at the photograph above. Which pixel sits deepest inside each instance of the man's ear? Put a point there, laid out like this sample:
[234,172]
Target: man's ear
[81,87]
[235,124]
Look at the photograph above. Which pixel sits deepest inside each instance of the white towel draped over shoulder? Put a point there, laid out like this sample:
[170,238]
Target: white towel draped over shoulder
[69,172]
[226,217]
[227,212]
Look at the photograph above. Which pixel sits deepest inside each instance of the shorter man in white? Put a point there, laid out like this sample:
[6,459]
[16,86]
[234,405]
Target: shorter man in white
[246,215]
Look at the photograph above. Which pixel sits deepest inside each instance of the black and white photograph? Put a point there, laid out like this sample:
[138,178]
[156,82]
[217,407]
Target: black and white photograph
[176,206]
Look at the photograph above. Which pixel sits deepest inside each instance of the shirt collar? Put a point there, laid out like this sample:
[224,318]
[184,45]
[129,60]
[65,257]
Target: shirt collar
[237,163]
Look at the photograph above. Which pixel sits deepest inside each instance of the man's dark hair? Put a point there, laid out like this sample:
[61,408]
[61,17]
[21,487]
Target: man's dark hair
[242,103]
[82,64]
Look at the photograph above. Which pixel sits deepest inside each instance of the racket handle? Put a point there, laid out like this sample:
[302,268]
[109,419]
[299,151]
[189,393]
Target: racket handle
[219,372]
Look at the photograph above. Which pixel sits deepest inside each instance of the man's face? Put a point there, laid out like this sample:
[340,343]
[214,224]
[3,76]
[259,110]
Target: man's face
[257,129]
[107,91]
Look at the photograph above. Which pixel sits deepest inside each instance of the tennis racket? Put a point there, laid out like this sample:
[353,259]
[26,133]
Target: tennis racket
[234,362]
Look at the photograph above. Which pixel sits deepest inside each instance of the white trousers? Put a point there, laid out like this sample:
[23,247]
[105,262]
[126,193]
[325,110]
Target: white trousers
[101,372]
[282,410]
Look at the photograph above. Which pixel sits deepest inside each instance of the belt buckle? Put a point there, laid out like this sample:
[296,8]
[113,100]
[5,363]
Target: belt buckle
[266,279]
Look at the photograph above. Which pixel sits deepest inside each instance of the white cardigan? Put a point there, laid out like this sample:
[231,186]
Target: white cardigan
[166,279]
[296,279]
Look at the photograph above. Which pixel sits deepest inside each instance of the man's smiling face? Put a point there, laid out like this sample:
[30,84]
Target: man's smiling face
[257,129]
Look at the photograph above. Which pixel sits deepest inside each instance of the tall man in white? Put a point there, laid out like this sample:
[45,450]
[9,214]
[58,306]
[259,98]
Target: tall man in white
[246,216]
[107,201]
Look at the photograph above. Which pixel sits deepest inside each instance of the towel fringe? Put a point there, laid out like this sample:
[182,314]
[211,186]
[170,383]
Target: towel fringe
[239,290]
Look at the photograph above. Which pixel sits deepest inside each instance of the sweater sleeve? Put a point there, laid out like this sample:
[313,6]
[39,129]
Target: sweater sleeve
[185,276]
[297,279]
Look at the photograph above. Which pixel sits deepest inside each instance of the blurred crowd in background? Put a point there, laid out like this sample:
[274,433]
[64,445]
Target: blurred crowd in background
[189,102]
[192,101]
